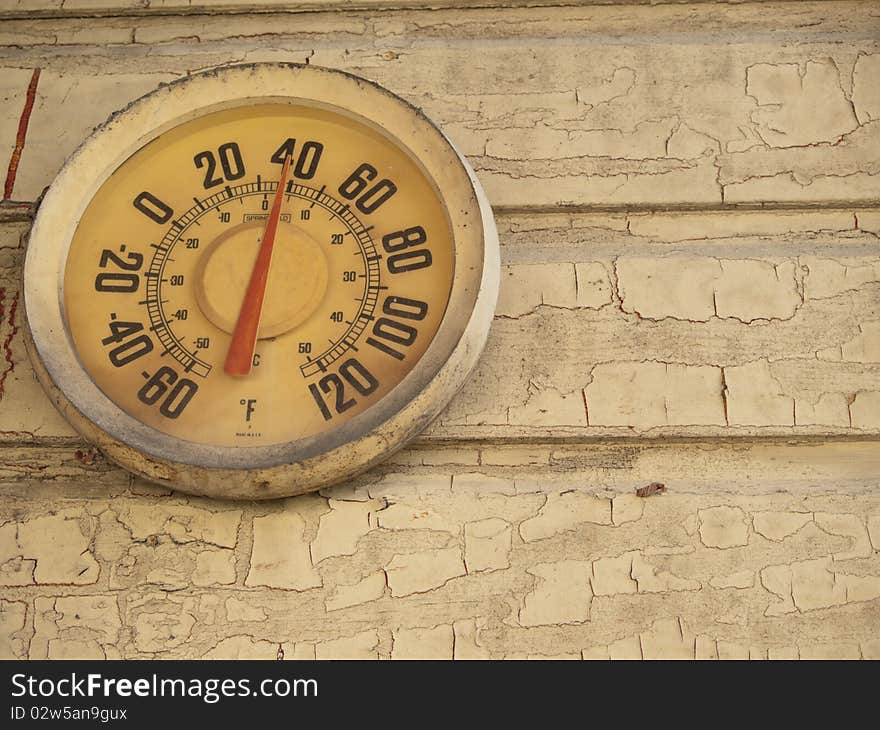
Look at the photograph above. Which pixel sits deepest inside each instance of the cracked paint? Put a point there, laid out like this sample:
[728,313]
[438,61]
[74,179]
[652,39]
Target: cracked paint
[799,105]
[638,124]
[562,594]
[280,555]
[560,353]
[422,572]
[515,557]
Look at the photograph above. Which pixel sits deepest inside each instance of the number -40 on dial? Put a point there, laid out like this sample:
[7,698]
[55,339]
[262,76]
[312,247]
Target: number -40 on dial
[261,280]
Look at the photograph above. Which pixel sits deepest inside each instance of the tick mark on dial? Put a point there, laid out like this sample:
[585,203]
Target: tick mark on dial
[320,193]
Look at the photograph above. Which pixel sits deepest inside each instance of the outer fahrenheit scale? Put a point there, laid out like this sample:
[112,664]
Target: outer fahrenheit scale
[258,281]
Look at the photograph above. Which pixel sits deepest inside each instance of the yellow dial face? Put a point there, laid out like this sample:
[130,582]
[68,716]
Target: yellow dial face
[258,275]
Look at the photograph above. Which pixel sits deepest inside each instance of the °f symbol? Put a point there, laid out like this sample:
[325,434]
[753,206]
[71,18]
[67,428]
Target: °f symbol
[250,405]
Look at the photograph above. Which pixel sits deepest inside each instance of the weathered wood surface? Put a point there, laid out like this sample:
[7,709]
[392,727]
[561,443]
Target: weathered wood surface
[666,324]
[466,553]
[688,198]
[595,106]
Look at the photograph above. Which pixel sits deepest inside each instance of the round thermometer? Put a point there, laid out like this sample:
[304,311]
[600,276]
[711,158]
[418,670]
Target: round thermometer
[258,281]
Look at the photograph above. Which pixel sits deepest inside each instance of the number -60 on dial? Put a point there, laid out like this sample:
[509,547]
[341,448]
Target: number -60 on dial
[259,281]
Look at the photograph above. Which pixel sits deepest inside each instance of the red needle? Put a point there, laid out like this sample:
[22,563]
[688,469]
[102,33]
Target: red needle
[240,357]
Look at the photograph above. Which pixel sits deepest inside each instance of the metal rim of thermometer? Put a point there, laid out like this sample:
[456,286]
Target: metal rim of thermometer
[337,452]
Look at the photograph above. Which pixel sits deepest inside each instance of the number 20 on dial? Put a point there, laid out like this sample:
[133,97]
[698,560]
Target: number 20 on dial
[259,281]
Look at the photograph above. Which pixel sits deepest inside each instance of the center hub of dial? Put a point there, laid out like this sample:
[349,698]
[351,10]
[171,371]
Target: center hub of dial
[296,286]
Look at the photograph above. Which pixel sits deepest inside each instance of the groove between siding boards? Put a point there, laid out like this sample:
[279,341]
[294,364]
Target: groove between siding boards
[747,467]
[73,10]
[19,211]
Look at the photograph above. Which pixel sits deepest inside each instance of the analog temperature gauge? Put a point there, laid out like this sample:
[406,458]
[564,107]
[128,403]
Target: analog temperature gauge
[261,280]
